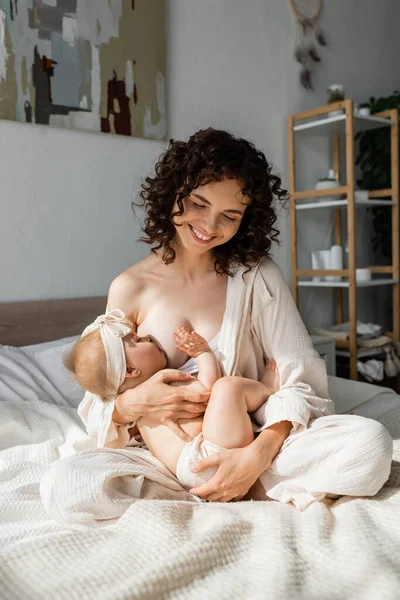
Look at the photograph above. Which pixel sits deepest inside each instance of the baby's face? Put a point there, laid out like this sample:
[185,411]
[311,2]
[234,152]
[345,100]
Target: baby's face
[144,354]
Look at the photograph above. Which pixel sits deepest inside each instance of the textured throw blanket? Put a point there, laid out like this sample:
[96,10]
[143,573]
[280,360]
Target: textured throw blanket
[348,548]
[343,549]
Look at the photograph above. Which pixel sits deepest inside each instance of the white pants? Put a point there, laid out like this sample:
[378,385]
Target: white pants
[339,455]
[335,455]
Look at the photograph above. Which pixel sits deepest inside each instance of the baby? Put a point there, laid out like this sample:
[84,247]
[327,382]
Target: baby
[110,358]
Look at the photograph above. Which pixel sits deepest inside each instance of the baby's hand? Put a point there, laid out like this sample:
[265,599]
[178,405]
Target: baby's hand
[191,343]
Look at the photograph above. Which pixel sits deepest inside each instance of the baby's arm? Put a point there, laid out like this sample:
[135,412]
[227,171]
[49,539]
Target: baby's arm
[197,347]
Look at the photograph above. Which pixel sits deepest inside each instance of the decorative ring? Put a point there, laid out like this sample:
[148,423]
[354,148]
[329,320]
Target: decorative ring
[298,14]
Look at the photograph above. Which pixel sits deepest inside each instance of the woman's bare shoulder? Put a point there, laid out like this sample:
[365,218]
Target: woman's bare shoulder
[128,288]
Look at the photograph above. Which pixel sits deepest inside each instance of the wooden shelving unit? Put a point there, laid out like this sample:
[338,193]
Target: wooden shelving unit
[320,117]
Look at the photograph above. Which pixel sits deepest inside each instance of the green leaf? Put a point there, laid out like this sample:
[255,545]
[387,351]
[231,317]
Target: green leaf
[374,161]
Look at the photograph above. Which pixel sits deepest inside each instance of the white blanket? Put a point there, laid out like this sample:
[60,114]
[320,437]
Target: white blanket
[349,548]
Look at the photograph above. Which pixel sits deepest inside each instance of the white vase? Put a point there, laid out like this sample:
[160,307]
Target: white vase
[336,262]
[321,259]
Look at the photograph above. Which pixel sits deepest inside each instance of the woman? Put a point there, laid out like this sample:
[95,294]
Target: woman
[210,220]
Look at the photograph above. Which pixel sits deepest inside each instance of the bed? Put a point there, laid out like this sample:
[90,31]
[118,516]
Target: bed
[336,549]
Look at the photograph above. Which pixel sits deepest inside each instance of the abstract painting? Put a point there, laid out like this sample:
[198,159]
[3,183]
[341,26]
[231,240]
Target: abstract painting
[96,65]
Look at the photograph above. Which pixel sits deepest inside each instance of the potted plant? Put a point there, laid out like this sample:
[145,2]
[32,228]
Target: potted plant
[374,160]
[329,182]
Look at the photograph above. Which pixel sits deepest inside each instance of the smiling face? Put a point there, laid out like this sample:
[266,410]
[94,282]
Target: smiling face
[143,356]
[212,215]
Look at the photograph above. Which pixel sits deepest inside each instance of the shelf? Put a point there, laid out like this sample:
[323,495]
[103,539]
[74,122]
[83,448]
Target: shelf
[337,191]
[345,344]
[319,122]
[362,121]
[342,272]
[339,123]
[378,193]
[361,352]
[338,203]
[342,190]
[346,284]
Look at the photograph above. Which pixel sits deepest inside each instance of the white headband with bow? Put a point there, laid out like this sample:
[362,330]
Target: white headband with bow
[113,327]
[96,412]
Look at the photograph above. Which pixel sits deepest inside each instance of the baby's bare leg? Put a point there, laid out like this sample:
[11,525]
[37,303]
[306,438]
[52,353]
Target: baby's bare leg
[226,420]
[163,443]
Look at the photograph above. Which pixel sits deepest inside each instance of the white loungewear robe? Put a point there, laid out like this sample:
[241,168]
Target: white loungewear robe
[324,453]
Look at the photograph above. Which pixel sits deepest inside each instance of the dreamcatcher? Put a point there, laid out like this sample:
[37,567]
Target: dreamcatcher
[308,37]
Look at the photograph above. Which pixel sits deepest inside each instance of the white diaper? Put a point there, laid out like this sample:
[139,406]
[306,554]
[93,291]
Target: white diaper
[195,450]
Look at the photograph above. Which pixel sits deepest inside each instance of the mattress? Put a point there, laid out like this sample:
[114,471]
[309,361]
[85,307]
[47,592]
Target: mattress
[359,398]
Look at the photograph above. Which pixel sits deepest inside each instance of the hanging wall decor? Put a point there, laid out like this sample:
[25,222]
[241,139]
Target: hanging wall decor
[97,65]
[308,37]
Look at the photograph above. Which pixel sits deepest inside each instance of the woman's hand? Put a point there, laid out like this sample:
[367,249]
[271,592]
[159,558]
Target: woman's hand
[239,468]
[165,404]
[237,472]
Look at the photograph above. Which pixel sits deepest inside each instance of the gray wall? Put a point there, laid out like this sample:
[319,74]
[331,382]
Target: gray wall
[66,226]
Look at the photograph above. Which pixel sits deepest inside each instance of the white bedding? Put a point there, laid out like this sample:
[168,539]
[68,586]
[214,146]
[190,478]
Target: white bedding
[37,372]
[349,548]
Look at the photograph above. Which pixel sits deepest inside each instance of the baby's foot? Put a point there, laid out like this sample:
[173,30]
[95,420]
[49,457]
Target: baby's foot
[271,376]
[190,342]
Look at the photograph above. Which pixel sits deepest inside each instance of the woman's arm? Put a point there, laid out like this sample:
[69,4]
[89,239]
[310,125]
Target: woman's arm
[164,399]
[303,393]
[109,422]
[138,402]
[239,469]
[268,443]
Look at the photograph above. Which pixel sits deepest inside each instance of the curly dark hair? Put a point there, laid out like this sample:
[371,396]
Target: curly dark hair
[212,155]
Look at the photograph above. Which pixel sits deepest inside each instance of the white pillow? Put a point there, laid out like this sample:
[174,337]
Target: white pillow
[33,348]
[41,376]
[50,362]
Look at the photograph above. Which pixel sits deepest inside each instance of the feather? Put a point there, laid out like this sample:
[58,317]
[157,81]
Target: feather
[313,54]
[305,79]
[321,38]
[299,54]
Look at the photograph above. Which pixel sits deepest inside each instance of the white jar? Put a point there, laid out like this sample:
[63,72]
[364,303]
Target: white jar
[363,275]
